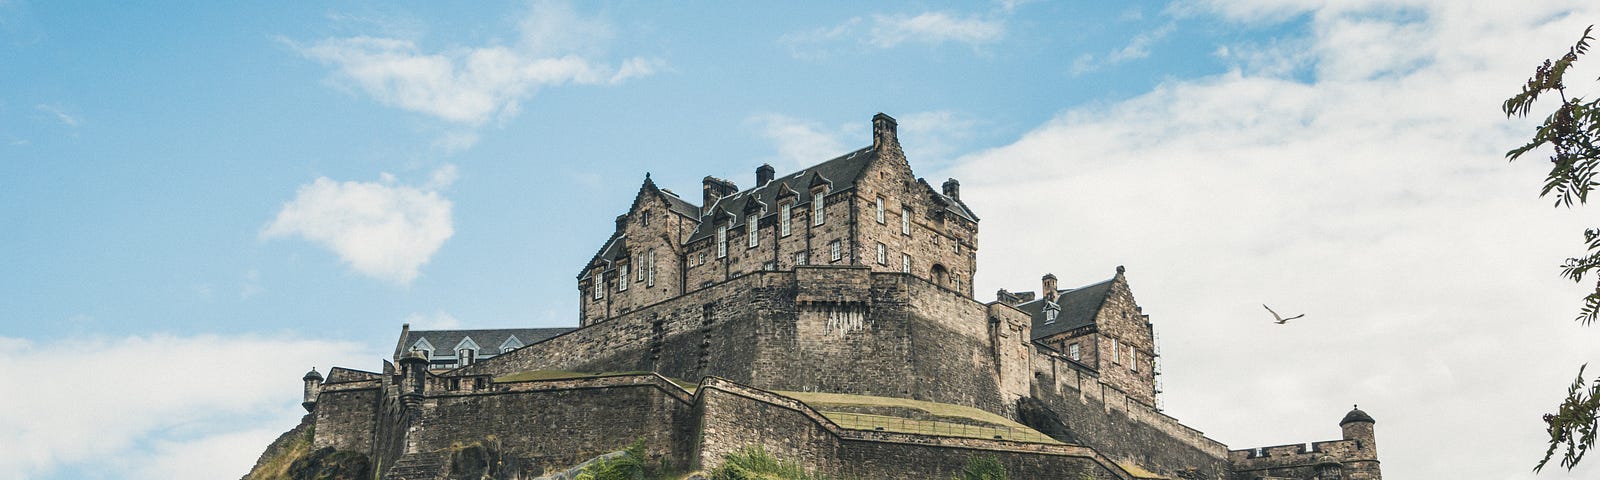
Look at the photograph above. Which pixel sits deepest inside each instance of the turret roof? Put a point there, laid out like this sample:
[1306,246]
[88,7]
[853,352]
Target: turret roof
[1356,415]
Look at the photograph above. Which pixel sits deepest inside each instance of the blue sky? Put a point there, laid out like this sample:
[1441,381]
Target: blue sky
[249,190]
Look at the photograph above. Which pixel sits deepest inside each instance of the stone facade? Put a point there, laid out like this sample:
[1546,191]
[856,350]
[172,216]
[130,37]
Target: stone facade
[742,295]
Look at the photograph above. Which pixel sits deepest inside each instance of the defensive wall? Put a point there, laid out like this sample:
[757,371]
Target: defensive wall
[1119,426]
[1352,459]
[816,328]
[532,427]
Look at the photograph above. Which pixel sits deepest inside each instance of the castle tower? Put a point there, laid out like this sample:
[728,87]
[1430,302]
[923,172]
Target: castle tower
[313,387]
[1363,463]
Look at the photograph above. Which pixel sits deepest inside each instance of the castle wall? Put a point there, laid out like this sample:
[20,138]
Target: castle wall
[841,329]
[735,418]
[1117,425]
[557,424]
[346,413]
[1300,462]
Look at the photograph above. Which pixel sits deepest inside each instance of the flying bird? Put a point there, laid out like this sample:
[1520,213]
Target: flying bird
[1280,318]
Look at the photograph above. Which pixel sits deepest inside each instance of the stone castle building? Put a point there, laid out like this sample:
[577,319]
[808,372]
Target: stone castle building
[827,315]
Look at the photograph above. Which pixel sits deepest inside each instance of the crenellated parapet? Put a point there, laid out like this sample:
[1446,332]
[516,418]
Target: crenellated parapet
[1354,457]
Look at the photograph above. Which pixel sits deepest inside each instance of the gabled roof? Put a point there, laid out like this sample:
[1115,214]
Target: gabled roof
[1079,307]
[493,337]
[840,173]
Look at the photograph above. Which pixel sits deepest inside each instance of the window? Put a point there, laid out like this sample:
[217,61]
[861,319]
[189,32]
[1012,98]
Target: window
[1072,352]
[1133,360]
[1050,315]
[834,250]
[650,264]
[646,217]
[622,278]
[599,287]
[905,221]
[640,274]
[750,223]
[465,356]
[800,258]
[880,209]
[784,211]
[816,207]
[905,263]
[722,241]
[1116,353]
[957,279]
[883,254]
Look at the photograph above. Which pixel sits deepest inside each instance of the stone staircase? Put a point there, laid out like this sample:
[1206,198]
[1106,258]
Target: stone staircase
[418,466]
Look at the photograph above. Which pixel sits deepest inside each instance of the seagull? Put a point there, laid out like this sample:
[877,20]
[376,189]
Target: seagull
[1280,318]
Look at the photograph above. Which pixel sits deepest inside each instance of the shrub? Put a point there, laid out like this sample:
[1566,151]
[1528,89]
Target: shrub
[755,463]
[983,468]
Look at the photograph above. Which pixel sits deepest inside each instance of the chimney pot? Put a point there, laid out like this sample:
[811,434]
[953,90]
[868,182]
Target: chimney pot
[764,174]
[952,189]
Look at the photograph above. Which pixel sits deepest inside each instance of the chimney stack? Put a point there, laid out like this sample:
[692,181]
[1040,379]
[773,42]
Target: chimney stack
[1048,289]
[714,188]
[883,132]
[952,189]
[621,220]
[763,174]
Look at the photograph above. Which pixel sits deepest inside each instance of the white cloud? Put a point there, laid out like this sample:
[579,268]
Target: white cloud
[154,406]
[438,320]
[60,115]
[471,85]
[1374,198]
[1138,47]
[800,142]
[889,31]
[382,229]
[885,31]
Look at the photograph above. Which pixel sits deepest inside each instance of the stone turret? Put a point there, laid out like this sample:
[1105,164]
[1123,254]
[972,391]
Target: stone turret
[313,387]
[1357,425]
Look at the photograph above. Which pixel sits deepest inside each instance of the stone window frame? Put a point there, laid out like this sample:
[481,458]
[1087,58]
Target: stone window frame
[650,263]
[599,287]
[1074,352]
[819,199]
[883,254]
[622,277]
[802,258]
[1133,360]
[905,262]
[752,225]
[1116,352]
[880,210]
[905,220]
[835,251]
[785,211]
[722,241]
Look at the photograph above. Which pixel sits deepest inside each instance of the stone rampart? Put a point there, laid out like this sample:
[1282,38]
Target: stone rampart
[1115,424]
[817,328]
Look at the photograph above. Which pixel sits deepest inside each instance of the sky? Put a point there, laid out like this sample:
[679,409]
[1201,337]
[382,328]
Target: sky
[201,201]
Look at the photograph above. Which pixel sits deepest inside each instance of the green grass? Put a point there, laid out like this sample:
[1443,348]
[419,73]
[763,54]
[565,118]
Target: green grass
[277,467]
[949,420]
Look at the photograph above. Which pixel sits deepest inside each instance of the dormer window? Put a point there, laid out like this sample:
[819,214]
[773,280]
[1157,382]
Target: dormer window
[785,210]
[1051,311]
[510,344]
[424,347]
[751,222]
[465,356]
[816,207]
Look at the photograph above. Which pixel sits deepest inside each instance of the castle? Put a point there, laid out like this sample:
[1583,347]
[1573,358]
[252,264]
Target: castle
[826,315]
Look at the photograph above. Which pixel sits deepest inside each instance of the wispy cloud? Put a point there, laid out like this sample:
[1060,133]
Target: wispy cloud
[887,31]
[103,410]
[382,229]
[472,85]
[438,320]
[59,114]
[1138,47]
[801,142]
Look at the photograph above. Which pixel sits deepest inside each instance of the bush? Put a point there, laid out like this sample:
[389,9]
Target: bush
[755,463]
[983,468]
[628,466]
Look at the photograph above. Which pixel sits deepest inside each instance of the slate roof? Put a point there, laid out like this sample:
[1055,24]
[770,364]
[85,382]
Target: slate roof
[444,341]
[1079,306]
[839,173]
